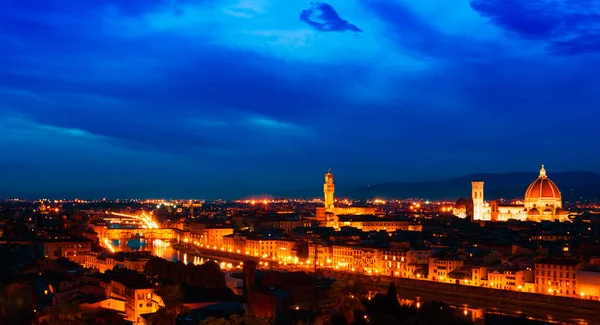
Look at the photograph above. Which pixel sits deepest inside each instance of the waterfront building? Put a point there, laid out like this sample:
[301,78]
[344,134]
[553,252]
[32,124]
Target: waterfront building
[214,235]
[557,276]
[441,267]
[344,257]
[588,284]
[509,279]
[321,253]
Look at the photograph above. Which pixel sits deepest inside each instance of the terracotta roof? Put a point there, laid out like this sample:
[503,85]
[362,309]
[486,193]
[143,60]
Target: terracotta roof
[559,261]
[542,187]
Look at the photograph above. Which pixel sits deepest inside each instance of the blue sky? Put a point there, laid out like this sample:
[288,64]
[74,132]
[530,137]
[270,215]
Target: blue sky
[227,98]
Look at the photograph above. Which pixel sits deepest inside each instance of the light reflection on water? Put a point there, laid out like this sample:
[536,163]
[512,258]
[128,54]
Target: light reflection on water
[158,248]
[166,251]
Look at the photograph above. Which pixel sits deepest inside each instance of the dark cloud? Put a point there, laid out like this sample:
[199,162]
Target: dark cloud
[219,99]
[567,27]
[588,42]
[419,35]
[324,18]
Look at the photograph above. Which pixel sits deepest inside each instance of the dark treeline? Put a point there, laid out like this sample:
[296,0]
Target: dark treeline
[386,309]
[207,275]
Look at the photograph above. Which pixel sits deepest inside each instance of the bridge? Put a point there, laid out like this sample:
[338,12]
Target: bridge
[156,233]
[145,227]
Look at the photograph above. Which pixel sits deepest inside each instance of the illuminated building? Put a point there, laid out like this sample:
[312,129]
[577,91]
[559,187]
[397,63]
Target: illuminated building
[440,268]
[54,249]
[516,280]
[214,235]
[543,202]
[95,261]
[139,298]
[376,223]
[344,257]
[279,248]
[328,213]
[557,276]
[321,253]
[588,284]
[405,262]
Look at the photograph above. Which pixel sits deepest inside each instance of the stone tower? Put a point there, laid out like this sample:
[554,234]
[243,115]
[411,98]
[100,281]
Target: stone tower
[328,189]
[477,199]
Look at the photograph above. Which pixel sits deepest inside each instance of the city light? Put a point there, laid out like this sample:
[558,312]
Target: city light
[109,246]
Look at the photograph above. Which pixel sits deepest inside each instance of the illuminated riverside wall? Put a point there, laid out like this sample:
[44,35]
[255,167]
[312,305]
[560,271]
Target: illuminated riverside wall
[410,263]
[466,290]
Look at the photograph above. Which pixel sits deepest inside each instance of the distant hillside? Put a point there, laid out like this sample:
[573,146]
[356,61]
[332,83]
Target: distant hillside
[509,185]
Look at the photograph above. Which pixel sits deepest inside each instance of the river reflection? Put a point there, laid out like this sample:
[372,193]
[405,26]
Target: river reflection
[158,248]
[163,250]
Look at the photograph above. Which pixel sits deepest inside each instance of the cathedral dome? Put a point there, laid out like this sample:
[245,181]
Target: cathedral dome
[533,212]
[542,188]
[461,203]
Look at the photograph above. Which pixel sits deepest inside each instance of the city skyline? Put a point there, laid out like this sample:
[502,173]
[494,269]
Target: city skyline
[581,185]
[239,97]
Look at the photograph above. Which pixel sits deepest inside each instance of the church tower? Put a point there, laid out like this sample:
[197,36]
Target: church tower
[328,189]
[477,199]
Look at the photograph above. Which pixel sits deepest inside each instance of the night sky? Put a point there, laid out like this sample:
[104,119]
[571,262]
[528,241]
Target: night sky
[219,98]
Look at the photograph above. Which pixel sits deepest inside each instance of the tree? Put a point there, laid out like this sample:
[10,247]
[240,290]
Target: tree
[382,319]
[207,275]
[172,297]
[238,320]
[15,304]
[211,275]
[348,294]
[65,314]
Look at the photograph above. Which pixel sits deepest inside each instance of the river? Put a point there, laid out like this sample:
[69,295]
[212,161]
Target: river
[166,251]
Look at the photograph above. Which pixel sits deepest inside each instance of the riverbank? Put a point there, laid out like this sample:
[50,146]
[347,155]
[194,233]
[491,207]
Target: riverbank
[213,254]
[540,307]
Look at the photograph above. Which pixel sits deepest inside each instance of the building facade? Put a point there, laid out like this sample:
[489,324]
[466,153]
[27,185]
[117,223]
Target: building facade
[557,276]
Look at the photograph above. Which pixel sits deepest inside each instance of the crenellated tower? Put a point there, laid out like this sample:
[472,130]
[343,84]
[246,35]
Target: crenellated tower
[329,189]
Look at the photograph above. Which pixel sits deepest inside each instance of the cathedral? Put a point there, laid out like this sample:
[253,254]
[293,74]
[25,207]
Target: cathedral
[542,202]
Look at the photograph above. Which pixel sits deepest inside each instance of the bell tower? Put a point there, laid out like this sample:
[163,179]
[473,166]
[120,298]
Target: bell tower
[328,189]
[477,199]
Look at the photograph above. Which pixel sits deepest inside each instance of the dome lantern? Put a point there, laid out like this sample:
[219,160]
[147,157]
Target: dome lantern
[543,172]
